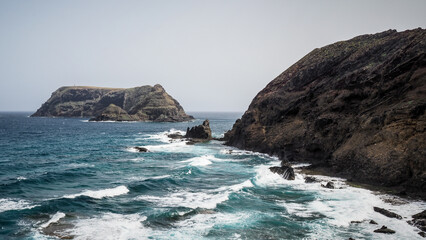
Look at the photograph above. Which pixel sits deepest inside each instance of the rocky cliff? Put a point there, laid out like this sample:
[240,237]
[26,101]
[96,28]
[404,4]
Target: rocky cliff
[356,108]
[144,103]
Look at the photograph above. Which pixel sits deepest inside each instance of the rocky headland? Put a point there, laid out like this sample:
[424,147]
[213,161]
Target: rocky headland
[144,103]
[354,109]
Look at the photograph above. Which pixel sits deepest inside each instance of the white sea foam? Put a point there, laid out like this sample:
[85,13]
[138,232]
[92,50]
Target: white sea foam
[163,136]
[7,204]
[207,199]
[79,165]
[109,192]
[148,178]
[199,161]
[20,178]
[340,206]
[199,225]
[55,218]
[110,226]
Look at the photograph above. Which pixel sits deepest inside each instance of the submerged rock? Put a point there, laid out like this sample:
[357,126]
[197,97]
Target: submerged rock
[175,136]
[356,106]
[310,179]
[419,220]
[144,103]
[373,222]
[387,213]
[384,229]
[141,149]
[328,185]
[202,131]
[286,171]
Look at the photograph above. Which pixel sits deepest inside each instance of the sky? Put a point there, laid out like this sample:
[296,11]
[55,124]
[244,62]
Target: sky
[209,55]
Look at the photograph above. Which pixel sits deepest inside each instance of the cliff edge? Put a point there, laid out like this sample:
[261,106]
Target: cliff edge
[355,108]
[144,103]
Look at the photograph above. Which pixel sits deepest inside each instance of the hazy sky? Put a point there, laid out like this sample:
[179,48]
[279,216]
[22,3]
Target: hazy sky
[209,55]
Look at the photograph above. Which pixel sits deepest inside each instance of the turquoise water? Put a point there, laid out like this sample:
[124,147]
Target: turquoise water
[69,178]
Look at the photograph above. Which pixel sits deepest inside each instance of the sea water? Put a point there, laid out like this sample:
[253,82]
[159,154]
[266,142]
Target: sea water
[70,178]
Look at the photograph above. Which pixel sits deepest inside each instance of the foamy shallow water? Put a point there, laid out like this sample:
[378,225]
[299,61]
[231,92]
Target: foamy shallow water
[85,180]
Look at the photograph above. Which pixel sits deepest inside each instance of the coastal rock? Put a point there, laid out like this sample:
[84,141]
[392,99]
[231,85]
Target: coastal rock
[355,108]
[141,149]
[144,103]
[202,131]
[373,222]
[286,171]
[310,179]
[419,220]
[384,229]
[175,136]
[328,185]
[387,213]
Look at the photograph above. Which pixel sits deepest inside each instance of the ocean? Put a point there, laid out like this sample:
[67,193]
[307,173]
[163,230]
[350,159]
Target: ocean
[73,179]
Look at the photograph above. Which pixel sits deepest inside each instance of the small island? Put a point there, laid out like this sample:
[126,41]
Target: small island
[145,103]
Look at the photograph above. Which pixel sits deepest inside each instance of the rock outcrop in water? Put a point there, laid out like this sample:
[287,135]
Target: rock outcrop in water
[354,108]
[144,103]
[202,131]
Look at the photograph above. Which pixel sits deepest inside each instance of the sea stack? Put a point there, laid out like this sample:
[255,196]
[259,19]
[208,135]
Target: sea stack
[356,108]
[144,103]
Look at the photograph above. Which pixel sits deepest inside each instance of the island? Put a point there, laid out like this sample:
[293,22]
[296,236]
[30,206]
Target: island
[145,103]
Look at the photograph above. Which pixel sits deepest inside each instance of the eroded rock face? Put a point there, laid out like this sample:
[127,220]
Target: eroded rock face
[356,107]
[144,103]
[202,131]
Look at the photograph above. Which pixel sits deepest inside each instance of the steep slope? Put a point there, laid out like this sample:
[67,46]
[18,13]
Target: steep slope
[356,107]
[144,103]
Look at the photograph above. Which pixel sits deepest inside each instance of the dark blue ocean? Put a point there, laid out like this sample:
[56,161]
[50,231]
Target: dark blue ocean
[73,179]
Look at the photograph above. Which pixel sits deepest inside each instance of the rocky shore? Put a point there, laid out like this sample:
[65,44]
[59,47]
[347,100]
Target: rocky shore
[354,108]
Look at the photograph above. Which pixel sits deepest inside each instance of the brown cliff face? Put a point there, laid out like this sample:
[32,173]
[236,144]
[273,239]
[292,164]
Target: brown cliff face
[144,103]
[356,106]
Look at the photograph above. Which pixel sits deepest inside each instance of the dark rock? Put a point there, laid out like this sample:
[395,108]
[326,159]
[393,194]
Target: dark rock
[387,213]
[329,185]
[141,149]
[175,136]
[356,222]
[373,222]
[357,106]
[421,215]
[286,171]
[351,238]
[384,229]
[423,234]
[419,220]
[310,179]
[202,131]
[144,103]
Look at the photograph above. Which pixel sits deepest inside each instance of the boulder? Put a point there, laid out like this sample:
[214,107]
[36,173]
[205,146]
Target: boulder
[384,229]
[141,149]
[202,131]
[387,213]
[175,136]
[286,171]
[373,222]
[310,179]
[328,185]
[419,220]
